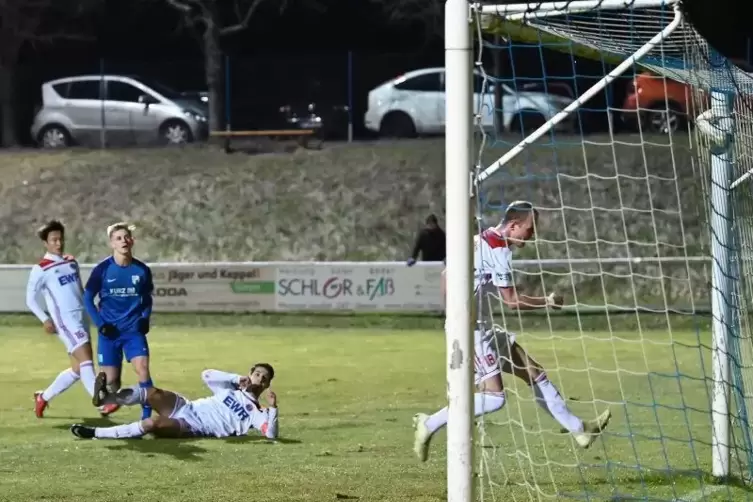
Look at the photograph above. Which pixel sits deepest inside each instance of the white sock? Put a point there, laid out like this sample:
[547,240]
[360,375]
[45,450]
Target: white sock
[129,396]
[133,430]
[549,398]
[65,379]
[87,375]
[483,403]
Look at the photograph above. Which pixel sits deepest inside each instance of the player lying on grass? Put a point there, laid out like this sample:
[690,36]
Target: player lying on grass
[57,279]
[124,287]
[232,410]
[495,348]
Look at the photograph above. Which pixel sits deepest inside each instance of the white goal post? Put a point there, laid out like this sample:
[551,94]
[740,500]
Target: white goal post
[463,176]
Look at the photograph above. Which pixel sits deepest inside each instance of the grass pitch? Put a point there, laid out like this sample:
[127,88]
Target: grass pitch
[346,402]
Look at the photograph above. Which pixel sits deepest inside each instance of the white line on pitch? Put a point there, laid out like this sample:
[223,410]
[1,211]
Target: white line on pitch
[700,494]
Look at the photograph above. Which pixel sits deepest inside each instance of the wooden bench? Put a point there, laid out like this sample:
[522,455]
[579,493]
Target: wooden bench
[303,135]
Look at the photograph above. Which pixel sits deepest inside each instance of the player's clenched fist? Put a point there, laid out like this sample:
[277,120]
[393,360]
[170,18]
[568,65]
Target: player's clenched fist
[49,327]
[271,399]
[243,382]
[555,301]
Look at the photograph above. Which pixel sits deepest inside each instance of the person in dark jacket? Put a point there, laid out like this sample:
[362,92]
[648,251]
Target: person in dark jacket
[430,242]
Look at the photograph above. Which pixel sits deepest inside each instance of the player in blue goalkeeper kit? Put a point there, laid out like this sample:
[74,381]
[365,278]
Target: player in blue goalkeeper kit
[124,286]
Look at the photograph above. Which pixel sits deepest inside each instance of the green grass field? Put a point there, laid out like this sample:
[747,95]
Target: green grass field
[346,402]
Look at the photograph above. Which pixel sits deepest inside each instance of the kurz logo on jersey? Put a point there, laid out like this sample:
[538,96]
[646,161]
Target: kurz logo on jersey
[235,407]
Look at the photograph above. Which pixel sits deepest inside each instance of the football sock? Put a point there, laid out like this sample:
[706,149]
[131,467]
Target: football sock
[65,379]
[146,410]
[133,430]
[87,376]
[549,398]
[483,403]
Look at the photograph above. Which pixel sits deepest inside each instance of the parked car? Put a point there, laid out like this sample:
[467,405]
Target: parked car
[414,104]
[663,105]
[327,120]
[128,109]
[658,104]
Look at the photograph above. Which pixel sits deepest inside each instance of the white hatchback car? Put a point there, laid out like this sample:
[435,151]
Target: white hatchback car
[414,104]
[79,109]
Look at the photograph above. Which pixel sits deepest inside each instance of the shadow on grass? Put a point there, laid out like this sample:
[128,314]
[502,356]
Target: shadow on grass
[259,439]
[87,422]
[181,449]
[184,448]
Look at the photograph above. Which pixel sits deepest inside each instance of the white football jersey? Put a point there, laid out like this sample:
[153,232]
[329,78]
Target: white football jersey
[492,263]
[232,413]
[58,281]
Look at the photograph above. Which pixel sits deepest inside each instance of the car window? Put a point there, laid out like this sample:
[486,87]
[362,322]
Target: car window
[160,88]
[121,91]
[428,82]
[85,89]
[61,89]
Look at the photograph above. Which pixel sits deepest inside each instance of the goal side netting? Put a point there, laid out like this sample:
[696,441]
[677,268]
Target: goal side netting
[633,139]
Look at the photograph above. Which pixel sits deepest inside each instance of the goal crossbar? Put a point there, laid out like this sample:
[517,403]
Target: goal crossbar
[522,12]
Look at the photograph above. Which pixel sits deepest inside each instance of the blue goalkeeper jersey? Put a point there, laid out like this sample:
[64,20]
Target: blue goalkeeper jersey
[125,294]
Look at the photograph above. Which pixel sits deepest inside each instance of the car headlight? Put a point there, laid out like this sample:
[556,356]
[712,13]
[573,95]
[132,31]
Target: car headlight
[196,116]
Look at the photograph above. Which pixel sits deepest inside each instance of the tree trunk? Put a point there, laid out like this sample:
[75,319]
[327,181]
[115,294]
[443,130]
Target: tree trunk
[213,69]
[8,135]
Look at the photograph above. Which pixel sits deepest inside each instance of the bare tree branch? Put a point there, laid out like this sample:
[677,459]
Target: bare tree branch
[186,6]
[428,13]
[243,20]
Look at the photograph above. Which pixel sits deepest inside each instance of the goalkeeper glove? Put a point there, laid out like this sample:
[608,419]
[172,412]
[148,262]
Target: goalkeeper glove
[109,330]
[143,325]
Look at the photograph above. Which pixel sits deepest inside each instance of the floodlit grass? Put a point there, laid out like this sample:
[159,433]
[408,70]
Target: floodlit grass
[346,401]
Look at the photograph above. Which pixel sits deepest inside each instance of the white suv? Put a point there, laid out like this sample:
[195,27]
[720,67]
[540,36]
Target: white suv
[414,104]
[126,109]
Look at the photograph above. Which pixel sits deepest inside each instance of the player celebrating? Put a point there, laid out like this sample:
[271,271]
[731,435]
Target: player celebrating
[124,286]
[232,410]
[57,279]
[496,349]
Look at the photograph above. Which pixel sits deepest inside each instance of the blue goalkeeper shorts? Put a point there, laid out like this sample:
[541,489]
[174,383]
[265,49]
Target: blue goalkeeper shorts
[110,351]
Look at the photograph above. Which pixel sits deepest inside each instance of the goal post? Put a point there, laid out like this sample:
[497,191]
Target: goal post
[458,277]
[653,35]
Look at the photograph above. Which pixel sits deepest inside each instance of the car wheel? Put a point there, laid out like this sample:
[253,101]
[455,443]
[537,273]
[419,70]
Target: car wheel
[663,119]
[54,136]
[176,133]
[527,122]
[397,125]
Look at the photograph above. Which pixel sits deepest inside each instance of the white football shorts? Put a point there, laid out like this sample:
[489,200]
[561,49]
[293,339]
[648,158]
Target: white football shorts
[491,349]
[72,329]
[189,420]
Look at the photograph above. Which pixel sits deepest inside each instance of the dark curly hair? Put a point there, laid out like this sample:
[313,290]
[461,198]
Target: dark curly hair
[51,226]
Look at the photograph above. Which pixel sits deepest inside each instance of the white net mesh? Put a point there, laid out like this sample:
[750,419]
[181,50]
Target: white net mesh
[624,235]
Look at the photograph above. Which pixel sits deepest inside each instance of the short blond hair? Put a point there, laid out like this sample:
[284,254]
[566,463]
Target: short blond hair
[121,225]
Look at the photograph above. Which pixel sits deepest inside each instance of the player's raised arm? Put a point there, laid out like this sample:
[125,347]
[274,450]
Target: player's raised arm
[269,426]
[92,290]
[217,380]
[33,290]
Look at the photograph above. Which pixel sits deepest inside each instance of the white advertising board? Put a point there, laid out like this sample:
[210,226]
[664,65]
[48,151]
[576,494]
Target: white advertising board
[269,287]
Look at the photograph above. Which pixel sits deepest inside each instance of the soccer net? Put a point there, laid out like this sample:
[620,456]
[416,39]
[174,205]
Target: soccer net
[633,139]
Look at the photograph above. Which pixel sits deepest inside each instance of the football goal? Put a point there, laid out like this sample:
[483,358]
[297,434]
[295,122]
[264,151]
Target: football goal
[641,175]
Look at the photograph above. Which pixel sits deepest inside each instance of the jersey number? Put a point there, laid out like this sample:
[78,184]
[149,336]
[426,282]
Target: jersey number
[487,360]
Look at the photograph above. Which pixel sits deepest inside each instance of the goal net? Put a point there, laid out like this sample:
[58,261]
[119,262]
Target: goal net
[632,137]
